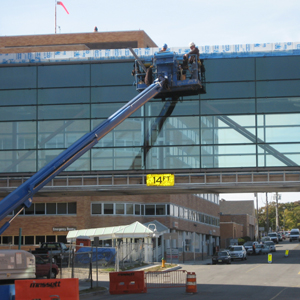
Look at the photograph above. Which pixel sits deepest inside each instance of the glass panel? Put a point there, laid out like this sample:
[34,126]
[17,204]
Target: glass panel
[106,110]
[185,107]
[61,208]
[29,240]
[7,239]
[231,69]
[72,208]
[238,156]
[283,88]
[229,90]
[17,135]
[129,209]
[180,130]
[120,210]
[278,155]
[160,210]
[18,113]
[63,76]
[116,159]
[16,240]
[280,105]
[51,208]
[62,239]
[66,95]
[223,107]
[149,210]
[61,134]
[29,210]
[271,128]
[278,68]
[108,209]
[39,239]
[137,209]
[111,74]
[228,129]
[96,208]
[113,94]
[78,111]
[180,157]
[128,133]
[17,77]
[18,161]
[50,238]
[18,97]
[40,208]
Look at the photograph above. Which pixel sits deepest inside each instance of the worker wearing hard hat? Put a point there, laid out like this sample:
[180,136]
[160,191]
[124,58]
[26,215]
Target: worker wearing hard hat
[164,48]
[193,54]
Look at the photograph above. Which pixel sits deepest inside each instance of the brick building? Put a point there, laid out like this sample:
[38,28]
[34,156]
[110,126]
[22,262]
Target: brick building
[237,219]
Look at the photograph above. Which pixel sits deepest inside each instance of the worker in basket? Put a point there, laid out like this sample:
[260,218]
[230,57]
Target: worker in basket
[192,56]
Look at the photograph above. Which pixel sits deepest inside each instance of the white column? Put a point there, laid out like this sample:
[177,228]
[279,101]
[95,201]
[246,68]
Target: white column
[156,249]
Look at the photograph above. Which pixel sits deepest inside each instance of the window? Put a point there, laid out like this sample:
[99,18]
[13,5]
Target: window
[72,208]
[39,239]
[129,209]
[61,208]
[16,240]
[150,210]
[39,208]
[62,239]
[7,239]
[29,210]
[120,209]
[50,238]
[96,208]
[108,209]
[137,209]
[51,208]
[160,210]
[29,240]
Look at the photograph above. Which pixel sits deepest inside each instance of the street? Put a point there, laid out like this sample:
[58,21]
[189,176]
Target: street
[254,278]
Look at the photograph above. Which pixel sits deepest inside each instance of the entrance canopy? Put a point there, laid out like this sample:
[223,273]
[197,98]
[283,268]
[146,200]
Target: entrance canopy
[134,230]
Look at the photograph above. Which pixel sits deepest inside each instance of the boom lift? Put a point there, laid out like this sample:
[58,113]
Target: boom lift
[165,83]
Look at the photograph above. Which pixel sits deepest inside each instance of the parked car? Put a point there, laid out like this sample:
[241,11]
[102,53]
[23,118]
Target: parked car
[221,257]
[271,245]
[274,237]
[295,235]
[237,252]
[260,249]
[42,268]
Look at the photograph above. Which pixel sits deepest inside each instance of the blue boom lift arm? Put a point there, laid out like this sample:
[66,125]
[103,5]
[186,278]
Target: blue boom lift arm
[22,196]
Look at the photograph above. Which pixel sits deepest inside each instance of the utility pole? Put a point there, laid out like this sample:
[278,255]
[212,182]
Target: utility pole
[267,212]
[276,210]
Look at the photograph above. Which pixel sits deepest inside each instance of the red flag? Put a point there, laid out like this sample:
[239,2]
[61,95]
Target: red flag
[60,3]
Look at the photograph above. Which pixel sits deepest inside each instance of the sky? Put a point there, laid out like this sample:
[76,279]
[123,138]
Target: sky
[177,23]
[210,22]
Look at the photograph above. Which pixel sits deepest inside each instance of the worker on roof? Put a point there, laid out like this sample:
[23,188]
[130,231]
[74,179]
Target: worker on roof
[164,48]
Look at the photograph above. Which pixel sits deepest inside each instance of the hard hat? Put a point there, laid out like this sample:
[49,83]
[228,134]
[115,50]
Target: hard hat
[165,46]
[192,44]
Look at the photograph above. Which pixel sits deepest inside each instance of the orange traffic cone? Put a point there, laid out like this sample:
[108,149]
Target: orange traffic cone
[191,284]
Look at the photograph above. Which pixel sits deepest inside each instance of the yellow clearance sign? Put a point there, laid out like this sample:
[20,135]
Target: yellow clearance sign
[160,180]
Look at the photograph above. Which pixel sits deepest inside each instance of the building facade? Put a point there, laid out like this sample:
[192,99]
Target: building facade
[248,119]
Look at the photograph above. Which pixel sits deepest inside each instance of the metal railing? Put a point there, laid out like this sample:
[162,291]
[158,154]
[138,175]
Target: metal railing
[166,279]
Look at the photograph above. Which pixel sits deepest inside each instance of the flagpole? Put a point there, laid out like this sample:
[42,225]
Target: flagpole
[55,15]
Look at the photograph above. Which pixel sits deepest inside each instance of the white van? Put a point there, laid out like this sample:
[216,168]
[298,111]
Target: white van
[16,264]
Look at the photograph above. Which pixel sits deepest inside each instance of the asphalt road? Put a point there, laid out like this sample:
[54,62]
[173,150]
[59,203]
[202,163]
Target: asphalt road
[254,278]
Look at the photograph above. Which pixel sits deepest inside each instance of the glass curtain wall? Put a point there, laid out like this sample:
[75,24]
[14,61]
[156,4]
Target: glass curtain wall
[249,117]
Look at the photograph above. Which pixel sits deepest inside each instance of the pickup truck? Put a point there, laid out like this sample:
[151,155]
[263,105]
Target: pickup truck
[294,235]
[56,251]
